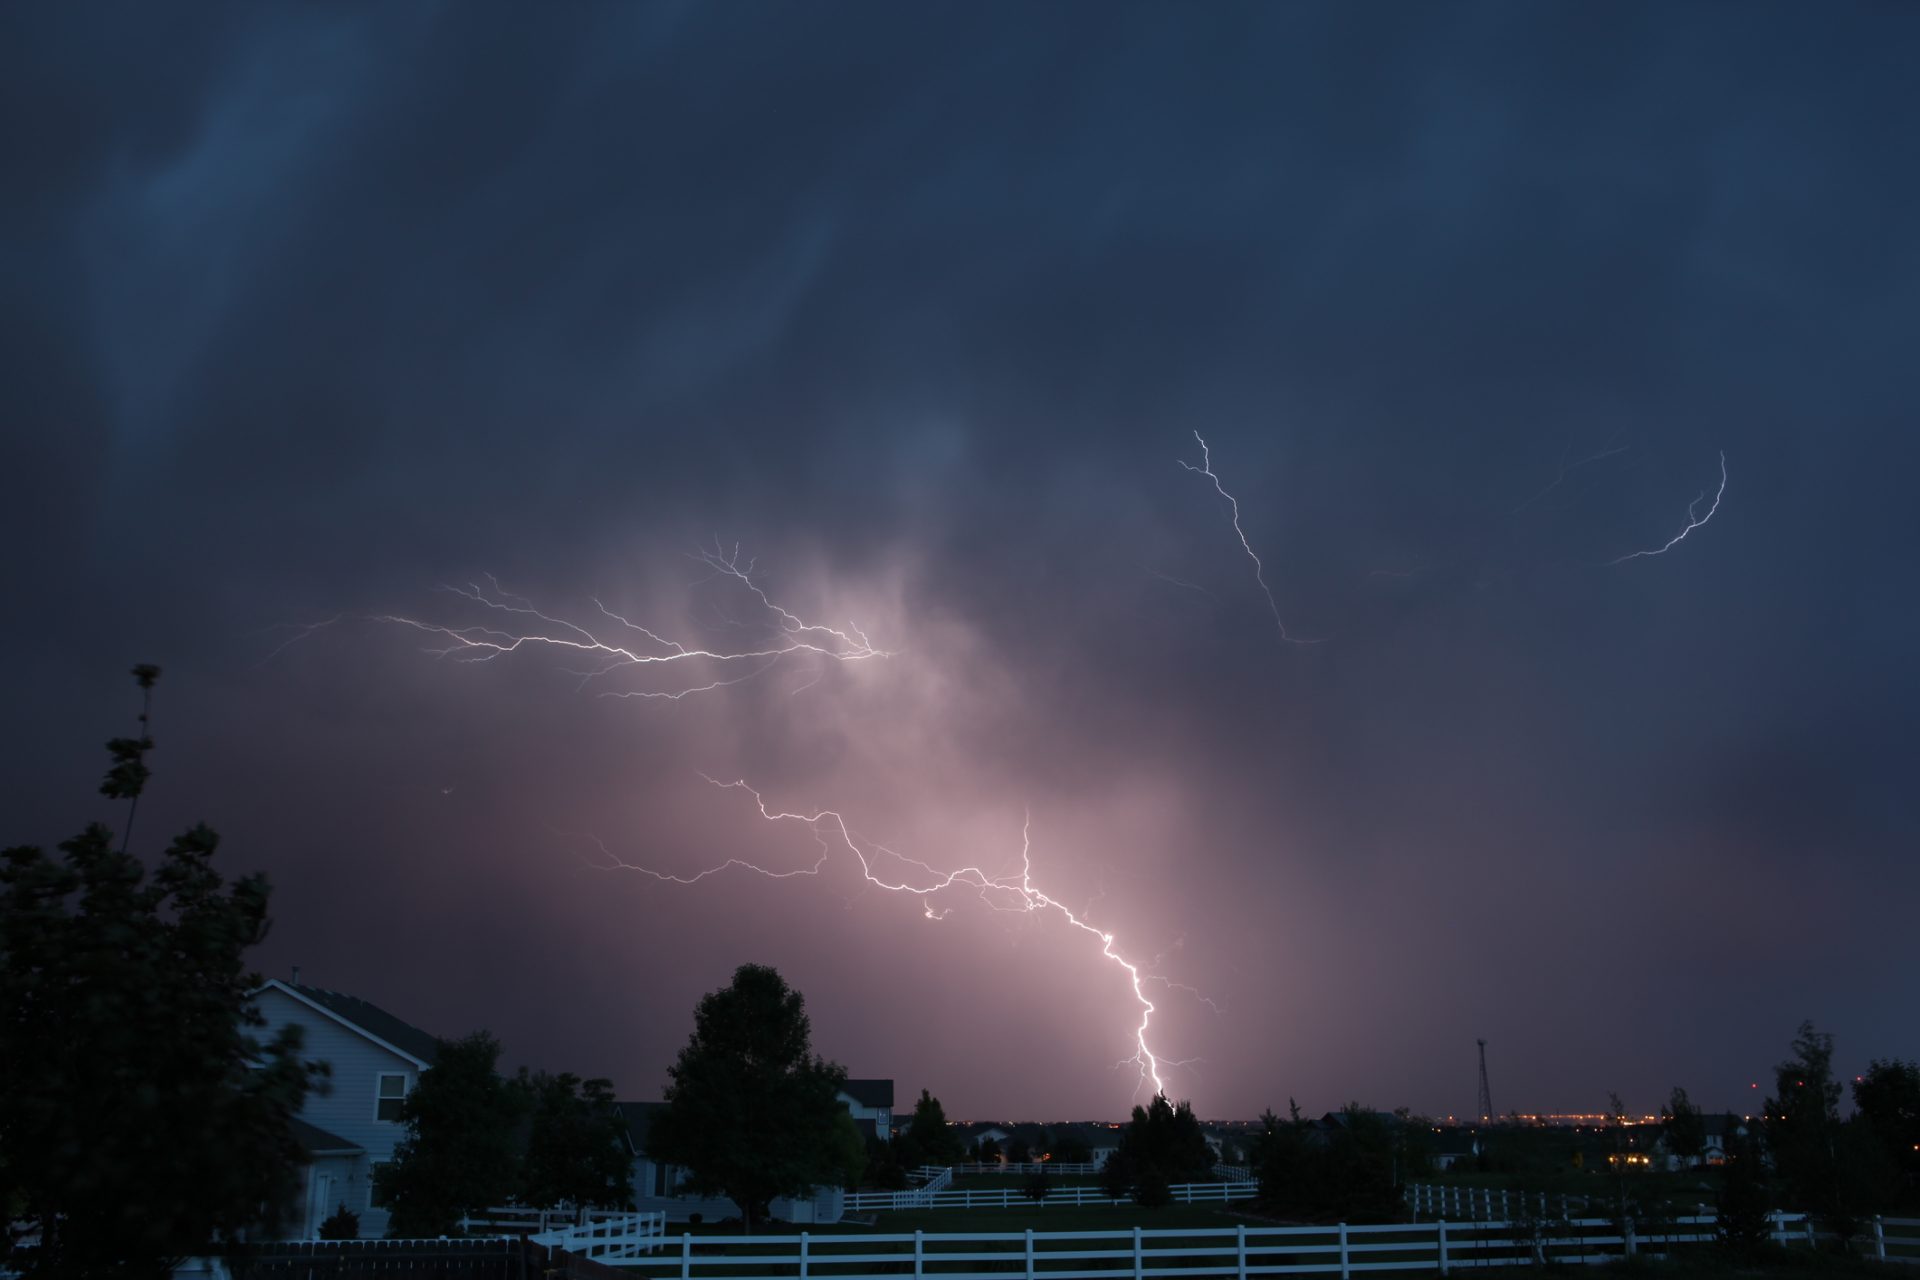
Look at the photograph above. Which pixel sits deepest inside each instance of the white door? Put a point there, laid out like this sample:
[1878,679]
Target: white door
[320,1203]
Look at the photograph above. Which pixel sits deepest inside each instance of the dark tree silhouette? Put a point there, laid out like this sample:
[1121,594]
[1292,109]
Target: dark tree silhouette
[751,1111]
[459,1155]
[140,1120]
[576,1148]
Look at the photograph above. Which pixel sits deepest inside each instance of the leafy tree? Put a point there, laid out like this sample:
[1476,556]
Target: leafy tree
[1802,1120]
[1888,1102]
[850,1151]
[460,1153]
[1070,1148]
[576,1143]
[1282,1162]
[750,1110]
[1744,1200]
[884,1169]
[1018,1151]
[1036,1185]
[988,1151]
[1167,1140]
[140,1118]
[931,1135]
[1686,1127]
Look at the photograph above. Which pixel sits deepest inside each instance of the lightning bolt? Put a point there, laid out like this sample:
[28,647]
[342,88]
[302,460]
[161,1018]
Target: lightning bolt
[1694,521]
[896,872]
[1566,468]
[1259,570]
[613,642]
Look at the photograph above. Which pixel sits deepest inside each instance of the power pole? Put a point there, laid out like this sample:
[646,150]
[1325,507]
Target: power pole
[1486,1097]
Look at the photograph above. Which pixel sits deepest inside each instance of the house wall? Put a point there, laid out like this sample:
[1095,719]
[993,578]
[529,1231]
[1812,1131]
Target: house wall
[348,1107]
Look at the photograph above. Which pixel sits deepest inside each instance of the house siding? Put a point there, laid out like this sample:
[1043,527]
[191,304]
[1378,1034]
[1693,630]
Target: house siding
[347,1107]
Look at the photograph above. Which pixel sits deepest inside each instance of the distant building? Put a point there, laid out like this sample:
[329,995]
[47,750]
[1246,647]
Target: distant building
[871,1104]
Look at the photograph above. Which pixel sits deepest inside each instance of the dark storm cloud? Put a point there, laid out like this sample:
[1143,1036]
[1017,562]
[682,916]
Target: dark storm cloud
[316,308]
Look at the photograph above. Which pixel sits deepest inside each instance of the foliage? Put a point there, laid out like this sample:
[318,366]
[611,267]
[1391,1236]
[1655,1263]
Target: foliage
[987,1151]
[1118,1174]
[154,1120]
[1070,1148]
[1686,1127]
[750,1110]
[1150,1189]
[1888,1101]
[342,1224]
[1036,1185]
[1018,1150]
[850,1152]
[1802,1128]
[1345,1171]
[1167,1140]
[884,1169]
[576,1148]
[931,1134]
[459,1155]
[1744,1201]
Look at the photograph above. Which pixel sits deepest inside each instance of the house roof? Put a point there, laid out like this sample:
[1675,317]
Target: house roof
[316,1141]
[370,1020]
[870,1093]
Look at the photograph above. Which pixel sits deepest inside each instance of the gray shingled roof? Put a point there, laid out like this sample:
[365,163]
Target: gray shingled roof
[870,1093]
[375,1021]
[318,1142]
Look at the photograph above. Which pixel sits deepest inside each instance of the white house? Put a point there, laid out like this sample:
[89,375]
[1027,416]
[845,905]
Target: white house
[351,1128]
[871,1104]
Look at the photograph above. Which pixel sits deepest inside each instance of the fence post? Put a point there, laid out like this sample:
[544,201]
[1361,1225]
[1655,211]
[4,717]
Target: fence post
[1779,1228]
[919,1256]
[1029,1253]
[1626,1236]
[1812,1243]
[1240,1239]
[803,1255]
[686,1255]
[1137,1259]
[1506,1210]
[1345,1272]
[1442,1225]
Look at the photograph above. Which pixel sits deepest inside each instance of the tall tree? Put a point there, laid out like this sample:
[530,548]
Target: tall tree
[140,1119]
[1802,1123]
[1163,1144]
[459,1155]
[932,1137]
[1887,1098]
[1686,1127]
[576,1142]
[751,1111]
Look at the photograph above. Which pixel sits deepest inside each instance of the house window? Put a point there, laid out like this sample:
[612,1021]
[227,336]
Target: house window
[392,1092]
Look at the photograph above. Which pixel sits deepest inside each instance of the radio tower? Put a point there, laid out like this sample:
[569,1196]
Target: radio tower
[1486,1098]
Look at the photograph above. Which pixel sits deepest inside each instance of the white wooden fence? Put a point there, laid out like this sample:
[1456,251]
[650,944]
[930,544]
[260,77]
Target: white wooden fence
[1135,1254]
[1233,1173]
[1490,1204]
[1056,1197]
[612,1238]
[1031,1166]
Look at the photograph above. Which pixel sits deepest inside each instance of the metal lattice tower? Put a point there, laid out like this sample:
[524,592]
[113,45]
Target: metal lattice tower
[1486,1098]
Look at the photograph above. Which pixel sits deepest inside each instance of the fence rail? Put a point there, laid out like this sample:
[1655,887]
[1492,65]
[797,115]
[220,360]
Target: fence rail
[1056,1197]
[1030,1166]
[613,1238]
[1138,1253]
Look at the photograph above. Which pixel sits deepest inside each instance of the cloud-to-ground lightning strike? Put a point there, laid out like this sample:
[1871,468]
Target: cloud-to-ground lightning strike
[529,628]
[1259,570]
[1694,521]
[1007,892]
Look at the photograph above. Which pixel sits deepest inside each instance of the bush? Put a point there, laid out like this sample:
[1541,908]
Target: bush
[344,1224]
[1035,1188]
[1152,1190]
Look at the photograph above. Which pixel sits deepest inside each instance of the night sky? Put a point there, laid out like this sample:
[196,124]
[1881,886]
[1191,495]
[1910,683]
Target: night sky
[312,310]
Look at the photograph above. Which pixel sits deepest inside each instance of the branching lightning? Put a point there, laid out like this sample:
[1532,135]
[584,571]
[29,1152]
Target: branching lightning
[896,872]
[1567,468]
[615,643]
[1694,520]
[1259,570]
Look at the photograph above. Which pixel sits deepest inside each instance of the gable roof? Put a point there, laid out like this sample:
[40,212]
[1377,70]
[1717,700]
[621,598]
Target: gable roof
[316,1141]
[870,1093]
[371,1021]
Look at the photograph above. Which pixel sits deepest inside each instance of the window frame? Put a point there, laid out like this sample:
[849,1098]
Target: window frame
[380,1096]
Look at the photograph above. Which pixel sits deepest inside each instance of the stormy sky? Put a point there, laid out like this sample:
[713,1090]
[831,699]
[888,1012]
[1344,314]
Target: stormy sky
[313,310]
